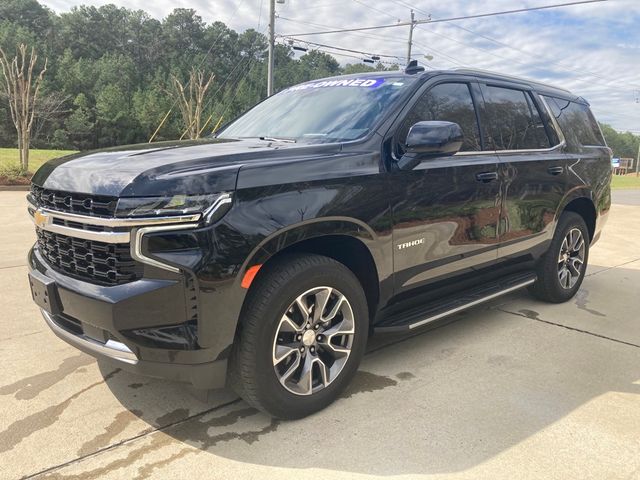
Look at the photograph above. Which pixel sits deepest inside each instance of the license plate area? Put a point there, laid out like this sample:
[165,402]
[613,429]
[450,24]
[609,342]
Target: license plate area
[45,293]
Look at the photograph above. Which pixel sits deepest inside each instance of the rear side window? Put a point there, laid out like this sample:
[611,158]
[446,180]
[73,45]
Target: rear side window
[514,122]
[450,102]
[578,124]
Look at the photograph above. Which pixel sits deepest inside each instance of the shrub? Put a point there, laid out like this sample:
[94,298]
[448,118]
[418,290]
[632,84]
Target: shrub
[13,172]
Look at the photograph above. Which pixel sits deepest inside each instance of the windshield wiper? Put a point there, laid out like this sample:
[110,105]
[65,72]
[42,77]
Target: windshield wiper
[278,139]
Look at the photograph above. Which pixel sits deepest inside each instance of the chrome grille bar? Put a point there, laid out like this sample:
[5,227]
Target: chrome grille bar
[44,218]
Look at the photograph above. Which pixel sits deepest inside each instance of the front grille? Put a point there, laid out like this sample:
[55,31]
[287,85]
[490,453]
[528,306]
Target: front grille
[80,203]
[105,263]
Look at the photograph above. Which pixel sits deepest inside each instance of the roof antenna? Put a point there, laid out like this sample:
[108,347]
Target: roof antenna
[413,67]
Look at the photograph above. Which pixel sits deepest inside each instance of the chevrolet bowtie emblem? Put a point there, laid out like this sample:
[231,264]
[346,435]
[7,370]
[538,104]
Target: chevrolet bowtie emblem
[40,219]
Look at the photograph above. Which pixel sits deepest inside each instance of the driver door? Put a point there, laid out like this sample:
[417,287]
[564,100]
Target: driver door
[446,210]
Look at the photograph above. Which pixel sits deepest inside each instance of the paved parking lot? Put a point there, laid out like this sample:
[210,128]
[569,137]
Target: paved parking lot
[513,389]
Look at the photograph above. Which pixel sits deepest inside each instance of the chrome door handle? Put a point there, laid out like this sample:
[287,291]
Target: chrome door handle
[486,177]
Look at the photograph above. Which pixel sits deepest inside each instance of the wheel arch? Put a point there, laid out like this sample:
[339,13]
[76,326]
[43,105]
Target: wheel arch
[580,201]
[347,241]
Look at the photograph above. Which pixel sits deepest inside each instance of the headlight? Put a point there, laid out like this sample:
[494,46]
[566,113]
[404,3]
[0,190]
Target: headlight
[213,207]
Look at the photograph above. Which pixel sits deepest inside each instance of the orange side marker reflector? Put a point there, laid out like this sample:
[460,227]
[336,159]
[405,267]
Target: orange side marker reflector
[249,276]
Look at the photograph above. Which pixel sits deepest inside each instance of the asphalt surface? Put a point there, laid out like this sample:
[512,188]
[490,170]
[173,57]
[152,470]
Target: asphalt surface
[626,197]
[513,389]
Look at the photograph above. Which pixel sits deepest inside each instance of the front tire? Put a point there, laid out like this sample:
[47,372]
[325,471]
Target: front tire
[562,268]
[303,333]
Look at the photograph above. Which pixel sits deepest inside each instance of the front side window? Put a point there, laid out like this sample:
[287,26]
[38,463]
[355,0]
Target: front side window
[513,120]
[323,111]
[451,102]
[576,121]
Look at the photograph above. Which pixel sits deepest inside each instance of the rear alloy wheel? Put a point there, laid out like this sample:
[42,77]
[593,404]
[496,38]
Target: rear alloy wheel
[561,270]
[571,259]
[303,333]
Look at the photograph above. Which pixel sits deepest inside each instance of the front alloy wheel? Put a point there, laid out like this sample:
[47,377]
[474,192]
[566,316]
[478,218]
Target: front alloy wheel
[313,340]
[304,331]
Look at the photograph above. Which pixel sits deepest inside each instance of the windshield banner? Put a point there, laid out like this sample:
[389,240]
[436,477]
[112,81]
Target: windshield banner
[351,82]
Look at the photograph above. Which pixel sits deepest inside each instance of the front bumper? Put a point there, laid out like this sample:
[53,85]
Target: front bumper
[96,319]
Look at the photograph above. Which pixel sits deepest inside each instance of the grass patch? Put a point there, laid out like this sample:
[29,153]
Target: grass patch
[10,173]
[10,157]
[625,181]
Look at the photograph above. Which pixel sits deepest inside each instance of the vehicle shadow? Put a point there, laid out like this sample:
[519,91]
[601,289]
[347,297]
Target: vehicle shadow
[444,400]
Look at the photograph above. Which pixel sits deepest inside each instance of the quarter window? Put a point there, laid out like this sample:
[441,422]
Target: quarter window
[449,102]
[576,121]
[514,120]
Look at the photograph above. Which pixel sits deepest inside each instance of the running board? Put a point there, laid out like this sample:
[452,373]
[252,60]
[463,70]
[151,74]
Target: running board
[425,314]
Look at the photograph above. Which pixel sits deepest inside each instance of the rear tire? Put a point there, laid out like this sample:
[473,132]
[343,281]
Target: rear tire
[289,363]
[562,268]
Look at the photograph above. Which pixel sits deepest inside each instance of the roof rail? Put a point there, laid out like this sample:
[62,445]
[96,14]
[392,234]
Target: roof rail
[478,71]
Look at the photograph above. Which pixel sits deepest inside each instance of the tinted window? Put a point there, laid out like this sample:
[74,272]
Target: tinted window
[449,102]
[576,121]
[332,110]
[514,120]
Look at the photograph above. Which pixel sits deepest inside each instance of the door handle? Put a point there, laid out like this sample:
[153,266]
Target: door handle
[486,177]
[555,170]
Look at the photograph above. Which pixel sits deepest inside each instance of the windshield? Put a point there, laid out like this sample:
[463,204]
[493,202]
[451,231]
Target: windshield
[322,111]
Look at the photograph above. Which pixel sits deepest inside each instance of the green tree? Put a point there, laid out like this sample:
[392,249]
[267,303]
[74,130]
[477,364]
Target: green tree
[28,14]
[624,145]
[80,124]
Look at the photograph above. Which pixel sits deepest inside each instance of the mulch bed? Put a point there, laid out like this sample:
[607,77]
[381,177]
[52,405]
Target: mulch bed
[13,181]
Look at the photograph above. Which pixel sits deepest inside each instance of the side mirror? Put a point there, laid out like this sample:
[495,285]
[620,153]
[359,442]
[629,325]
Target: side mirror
[428,140]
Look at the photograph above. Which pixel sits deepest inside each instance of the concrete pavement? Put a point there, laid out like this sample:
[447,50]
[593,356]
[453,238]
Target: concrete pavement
[514,389]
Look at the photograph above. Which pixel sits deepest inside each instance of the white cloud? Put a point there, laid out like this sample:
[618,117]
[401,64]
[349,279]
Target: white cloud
[590,49]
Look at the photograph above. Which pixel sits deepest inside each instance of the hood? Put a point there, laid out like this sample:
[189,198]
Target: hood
[186,167]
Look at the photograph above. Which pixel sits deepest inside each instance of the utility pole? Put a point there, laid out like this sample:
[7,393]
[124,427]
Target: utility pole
[411,27]
[272,35]
[638,162]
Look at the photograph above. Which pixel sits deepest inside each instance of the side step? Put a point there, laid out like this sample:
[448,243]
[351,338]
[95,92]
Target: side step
[419,316]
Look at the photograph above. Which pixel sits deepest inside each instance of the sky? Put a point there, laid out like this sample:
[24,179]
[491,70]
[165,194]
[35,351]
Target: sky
[592,50]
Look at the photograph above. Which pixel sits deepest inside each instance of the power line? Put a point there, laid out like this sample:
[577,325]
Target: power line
[350,56]
[339,48]
[498,42]
[215,42]
[237,66]
[359,2]
[250,60]
[451,19]
[382,37]
[440,53]
[546,60]
[525,63]
[235,94]
[211,97]
[362,35]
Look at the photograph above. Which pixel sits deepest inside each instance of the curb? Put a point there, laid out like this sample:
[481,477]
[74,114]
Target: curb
[14,188]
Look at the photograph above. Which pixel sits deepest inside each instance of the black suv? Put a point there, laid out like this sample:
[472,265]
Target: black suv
[264,258]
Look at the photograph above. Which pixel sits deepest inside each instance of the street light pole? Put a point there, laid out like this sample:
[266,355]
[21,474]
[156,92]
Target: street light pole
[411,27]
[272,35]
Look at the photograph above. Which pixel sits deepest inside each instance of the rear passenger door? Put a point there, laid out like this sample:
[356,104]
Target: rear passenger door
[533,166]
